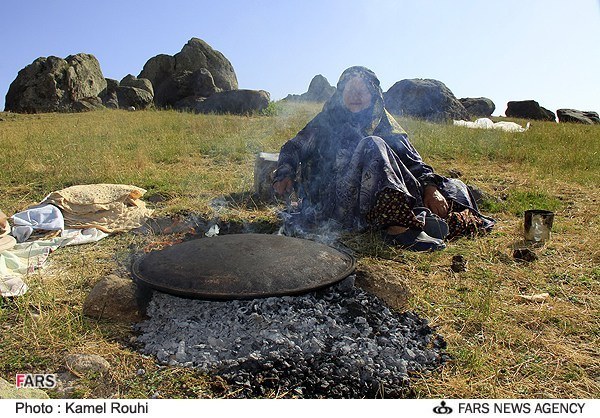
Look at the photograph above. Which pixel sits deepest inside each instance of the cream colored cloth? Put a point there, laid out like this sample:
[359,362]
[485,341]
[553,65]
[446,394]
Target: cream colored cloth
[485,123]
[4,225]
[108,207]
[11,286]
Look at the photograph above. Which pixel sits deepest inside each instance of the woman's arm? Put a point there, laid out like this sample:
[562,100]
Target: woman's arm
[291,154]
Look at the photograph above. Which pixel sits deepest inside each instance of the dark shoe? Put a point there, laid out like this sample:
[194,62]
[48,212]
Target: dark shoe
[435,226]
[415,240]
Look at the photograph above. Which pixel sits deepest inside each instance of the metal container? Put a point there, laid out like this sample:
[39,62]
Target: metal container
[537,225]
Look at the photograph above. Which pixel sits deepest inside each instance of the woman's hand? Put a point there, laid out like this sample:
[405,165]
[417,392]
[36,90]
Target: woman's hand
[283,187]
[433,199]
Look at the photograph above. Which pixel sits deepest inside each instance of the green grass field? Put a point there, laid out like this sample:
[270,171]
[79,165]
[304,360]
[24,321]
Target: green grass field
[501,347]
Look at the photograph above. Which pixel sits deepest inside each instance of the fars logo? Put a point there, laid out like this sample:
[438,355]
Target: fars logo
[442,409]
[38,381]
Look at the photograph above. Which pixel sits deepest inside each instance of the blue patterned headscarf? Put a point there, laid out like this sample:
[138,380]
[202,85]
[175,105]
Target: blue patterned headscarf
[368,119]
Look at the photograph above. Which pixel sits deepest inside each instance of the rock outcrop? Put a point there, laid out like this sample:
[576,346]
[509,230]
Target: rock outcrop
[54,84]
[478,107]
[138,83]
[319,90]
[186,81]
[135,92]
[424,99]
[196,71]
[239,102]
[578,116]
[528,109]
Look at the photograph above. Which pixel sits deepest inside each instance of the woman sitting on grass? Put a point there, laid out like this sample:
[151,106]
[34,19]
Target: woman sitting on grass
[353,165]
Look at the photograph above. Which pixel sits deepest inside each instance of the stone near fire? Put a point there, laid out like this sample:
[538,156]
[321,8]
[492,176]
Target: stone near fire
[388,284]
[424,99]
[113,298]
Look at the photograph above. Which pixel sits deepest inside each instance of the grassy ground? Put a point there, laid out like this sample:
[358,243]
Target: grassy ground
[501,346]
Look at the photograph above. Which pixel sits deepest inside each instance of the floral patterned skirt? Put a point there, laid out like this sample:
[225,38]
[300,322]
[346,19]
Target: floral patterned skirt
[462,222]
[392,208]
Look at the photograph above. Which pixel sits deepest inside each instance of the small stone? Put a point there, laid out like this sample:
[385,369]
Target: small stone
[181,355]
[347,284]
[459,264]
[410,354]
[525,254]
[85,363]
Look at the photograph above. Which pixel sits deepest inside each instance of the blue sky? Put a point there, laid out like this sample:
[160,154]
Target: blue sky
[546,50]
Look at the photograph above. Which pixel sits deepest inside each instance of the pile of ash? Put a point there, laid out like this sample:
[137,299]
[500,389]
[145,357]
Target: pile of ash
[341,342]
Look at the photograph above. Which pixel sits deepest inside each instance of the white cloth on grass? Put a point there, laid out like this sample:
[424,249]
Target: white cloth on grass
[485,123]
[81,236]
[27,257]
[43,217]
[12,286]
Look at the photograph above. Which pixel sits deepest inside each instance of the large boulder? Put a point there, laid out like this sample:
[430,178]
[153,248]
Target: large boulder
[139,83]
[54,84]
[176,77]
[109,95]
[528,109]
[319,90]
[478,106]
[424,99]
[87,104]
[134,97]
[135,92]
[239,102]
[178,91]
[578,116]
